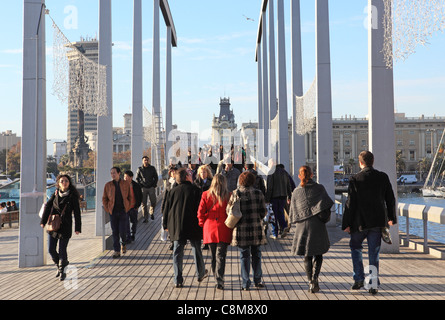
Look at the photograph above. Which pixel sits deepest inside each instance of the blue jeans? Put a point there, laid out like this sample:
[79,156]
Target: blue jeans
[178,258]
[278,210]
[119,221]
[373,237]
[246,253]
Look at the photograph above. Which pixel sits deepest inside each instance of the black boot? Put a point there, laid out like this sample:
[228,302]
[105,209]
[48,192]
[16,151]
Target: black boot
[62,266]
[308,270]
[56,262]
[317,268]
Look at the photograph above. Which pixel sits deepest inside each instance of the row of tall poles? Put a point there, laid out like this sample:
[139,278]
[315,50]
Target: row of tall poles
[104,149]
[32,247]
[380,100]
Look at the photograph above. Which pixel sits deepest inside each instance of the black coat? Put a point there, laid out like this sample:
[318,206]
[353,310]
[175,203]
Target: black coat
[278,185]
[370,202]
[137,190]
[147,177]
[180,214]
[56,204]
[203,186]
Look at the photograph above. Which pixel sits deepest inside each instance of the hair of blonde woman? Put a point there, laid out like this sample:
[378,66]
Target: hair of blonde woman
[218,189]
[305,174]
[207,169]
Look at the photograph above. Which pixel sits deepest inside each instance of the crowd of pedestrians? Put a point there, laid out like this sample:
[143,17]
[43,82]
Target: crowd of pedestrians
[200,195]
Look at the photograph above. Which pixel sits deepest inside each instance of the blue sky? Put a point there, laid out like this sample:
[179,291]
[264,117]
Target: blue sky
[215,58]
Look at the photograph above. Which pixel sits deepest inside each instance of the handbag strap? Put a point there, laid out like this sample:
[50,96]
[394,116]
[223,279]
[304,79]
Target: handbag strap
[212,205]
[64,208]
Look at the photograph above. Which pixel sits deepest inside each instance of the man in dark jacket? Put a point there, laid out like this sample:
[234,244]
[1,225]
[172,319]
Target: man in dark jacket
[369,208]
[278,192]
[136,191]
[181,221]
[147,177]
[116,200]
[232,174]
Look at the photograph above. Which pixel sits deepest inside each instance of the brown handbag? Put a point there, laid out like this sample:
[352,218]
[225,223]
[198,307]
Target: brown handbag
[55,220]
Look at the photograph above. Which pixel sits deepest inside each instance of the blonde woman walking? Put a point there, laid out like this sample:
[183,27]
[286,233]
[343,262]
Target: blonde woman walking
[211,217]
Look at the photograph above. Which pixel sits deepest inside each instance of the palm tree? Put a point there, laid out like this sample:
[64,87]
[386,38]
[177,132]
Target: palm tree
[400,162]
[424,165]
[351,164]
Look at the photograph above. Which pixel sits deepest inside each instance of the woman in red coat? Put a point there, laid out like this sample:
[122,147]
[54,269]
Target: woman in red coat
[211,217]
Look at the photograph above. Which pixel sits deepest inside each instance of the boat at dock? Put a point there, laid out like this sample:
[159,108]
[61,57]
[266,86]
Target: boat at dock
[437,167]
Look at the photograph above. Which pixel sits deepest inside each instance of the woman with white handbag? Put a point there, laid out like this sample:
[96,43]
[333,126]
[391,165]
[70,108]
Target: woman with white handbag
[248,233]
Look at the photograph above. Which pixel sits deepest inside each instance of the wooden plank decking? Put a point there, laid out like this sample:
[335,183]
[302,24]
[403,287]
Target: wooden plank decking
[145,272]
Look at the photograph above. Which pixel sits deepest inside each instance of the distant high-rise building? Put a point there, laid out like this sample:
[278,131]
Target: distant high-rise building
[8,139]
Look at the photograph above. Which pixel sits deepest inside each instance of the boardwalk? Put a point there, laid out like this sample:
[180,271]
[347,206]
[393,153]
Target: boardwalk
[145,272]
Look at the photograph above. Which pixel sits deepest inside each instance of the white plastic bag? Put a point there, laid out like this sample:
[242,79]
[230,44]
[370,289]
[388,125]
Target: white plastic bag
[164,234]
[42,209]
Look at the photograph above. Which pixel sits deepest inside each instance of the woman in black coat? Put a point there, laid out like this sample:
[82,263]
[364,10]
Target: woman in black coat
[65,202]
[310,210]
[204,179]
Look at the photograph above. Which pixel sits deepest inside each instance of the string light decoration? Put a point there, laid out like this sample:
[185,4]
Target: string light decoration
[274,133]
[79,81]
[148,126]
[155,135]
[305,111]
[409,24]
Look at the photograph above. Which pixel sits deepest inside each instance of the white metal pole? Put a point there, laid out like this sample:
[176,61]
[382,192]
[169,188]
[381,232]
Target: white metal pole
[273,107]
[283,123]
[260,103]
[105,122]
[266,119]
[168,98]
[381,108]
[325,152]
[32,244]
[156,98]
[298,145]
[137,130]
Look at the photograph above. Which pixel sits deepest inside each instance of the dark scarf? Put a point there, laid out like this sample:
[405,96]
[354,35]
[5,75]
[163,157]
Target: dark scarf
[309,201]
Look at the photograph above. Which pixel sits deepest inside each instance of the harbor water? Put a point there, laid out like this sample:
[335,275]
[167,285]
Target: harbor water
[436,232]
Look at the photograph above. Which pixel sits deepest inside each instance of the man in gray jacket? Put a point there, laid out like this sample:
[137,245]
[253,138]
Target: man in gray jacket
[147,177]
[232,174]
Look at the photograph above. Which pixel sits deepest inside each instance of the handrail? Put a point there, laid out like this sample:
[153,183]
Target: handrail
[421,212]
[9,215]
